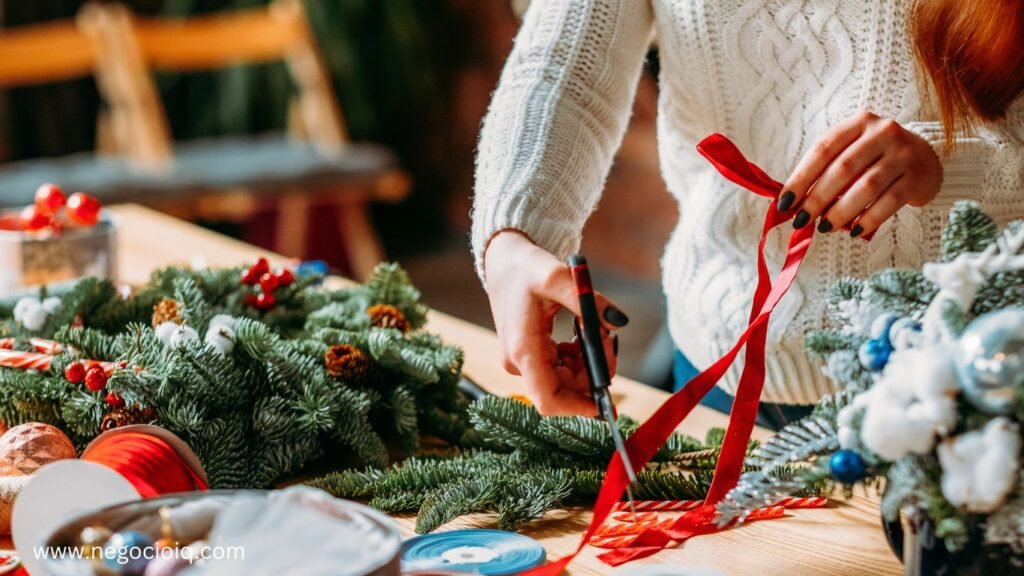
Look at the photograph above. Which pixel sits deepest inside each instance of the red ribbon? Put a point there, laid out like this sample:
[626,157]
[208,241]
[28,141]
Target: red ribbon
[148,462]
[644,443]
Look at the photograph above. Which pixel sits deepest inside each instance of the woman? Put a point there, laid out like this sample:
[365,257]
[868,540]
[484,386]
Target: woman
[828,94]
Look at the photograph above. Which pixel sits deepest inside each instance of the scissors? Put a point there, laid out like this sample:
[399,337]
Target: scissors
[588,333]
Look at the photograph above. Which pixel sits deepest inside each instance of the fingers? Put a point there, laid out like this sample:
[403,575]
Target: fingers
[824,151]
[887,204]
[876,180]
[557,286]
[549,396]
[846,169]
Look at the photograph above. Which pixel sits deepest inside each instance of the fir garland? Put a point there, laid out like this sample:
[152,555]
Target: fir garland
[519,464]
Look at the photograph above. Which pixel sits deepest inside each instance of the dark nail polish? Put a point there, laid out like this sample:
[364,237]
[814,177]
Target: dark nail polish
[786,201]
[856,231]
[615,317]
[824,226]
[801,220]
[615,344]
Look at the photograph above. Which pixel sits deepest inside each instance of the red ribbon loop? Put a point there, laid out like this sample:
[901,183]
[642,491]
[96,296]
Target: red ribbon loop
[644,443]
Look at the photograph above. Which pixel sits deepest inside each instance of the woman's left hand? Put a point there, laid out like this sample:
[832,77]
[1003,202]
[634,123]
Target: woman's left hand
[859,174]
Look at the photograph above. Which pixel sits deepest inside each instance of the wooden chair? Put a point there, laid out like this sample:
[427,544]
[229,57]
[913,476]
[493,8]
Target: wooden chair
[232,176]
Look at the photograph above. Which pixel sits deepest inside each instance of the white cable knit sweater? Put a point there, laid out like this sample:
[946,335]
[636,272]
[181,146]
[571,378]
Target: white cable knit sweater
[772,75]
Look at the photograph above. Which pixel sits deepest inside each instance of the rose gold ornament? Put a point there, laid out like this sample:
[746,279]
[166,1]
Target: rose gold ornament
[27,447]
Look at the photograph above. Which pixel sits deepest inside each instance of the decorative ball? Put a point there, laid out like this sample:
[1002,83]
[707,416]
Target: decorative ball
[26,448]
[75,372]
[286,277]
[83,209]
[92,540]
[35,318]
[114,400]
[126,553]
[269,282]
[96,378]
[990,360]
[49,198]
[847,466]
[881,325]
[905,333]
[874,354]
[265,301]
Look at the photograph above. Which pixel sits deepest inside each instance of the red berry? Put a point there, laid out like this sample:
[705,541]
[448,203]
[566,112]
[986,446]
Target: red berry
[83,209]
[261,267]
[268,282]
[95,379]
[265,301]
[250,277]
[122,364]
[49,198]
[33,220]
[114,400]
[75,372]
[286,277]
[251,300]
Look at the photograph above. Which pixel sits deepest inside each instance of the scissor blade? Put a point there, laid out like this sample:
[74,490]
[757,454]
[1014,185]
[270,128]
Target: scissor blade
[608,414]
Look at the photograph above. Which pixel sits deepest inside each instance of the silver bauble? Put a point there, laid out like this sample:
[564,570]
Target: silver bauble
[990,360]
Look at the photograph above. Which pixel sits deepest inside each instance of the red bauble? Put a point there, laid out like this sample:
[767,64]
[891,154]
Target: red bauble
[83,209]
[268,282]
[114,400]
[251,300]
[49,198]
[96,379]
[285,277]
[265,301]
[261,267]
[250,277]
[33,220]
[75,372]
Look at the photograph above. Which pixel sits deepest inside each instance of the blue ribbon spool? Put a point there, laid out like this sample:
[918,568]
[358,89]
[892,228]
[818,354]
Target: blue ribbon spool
[487,552]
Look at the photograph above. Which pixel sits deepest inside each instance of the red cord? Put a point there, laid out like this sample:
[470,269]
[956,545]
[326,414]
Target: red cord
[148,462]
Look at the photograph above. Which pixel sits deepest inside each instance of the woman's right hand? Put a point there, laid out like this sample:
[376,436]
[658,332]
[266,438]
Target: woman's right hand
[527,287]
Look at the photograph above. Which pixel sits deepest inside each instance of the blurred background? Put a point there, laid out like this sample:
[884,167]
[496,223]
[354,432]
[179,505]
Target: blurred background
[411,80]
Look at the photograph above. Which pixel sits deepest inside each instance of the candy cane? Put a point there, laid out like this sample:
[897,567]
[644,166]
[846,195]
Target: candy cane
[40,344]
[660,505]
[807,502]
[628,516]
[25,360]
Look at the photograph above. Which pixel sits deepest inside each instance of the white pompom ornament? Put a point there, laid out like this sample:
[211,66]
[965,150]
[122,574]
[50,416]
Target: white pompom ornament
[51,304]
[34,319]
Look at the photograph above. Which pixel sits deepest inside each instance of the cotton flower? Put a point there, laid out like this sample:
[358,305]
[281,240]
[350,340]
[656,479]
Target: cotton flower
[857,316]
[911,404]
[33,313]
[182,335]
[164,331]
[221,338]
[979,468]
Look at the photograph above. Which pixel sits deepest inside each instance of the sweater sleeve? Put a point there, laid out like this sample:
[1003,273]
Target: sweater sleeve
[986,164]
[556,120]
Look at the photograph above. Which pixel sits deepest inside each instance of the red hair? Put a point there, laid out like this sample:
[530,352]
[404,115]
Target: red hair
[972,52]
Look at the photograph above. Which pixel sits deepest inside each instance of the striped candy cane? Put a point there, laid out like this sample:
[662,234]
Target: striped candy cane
[624,534]
[25,360]
[660,505]
[628,516]
[40,344]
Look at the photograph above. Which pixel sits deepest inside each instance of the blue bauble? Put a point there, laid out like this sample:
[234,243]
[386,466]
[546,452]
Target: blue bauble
[874,354]
[847,466]
[882,325]
[990,360]
[127,553]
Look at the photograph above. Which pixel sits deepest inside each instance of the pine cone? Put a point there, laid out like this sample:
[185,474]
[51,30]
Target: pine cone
[347,362]
[127,416]
[165,310]
[387,316]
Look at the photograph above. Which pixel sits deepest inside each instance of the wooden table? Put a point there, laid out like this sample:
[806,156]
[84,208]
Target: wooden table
[844,540]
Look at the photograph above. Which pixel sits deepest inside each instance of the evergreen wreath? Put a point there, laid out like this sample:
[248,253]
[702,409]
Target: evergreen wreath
[931,393]
[268,390]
